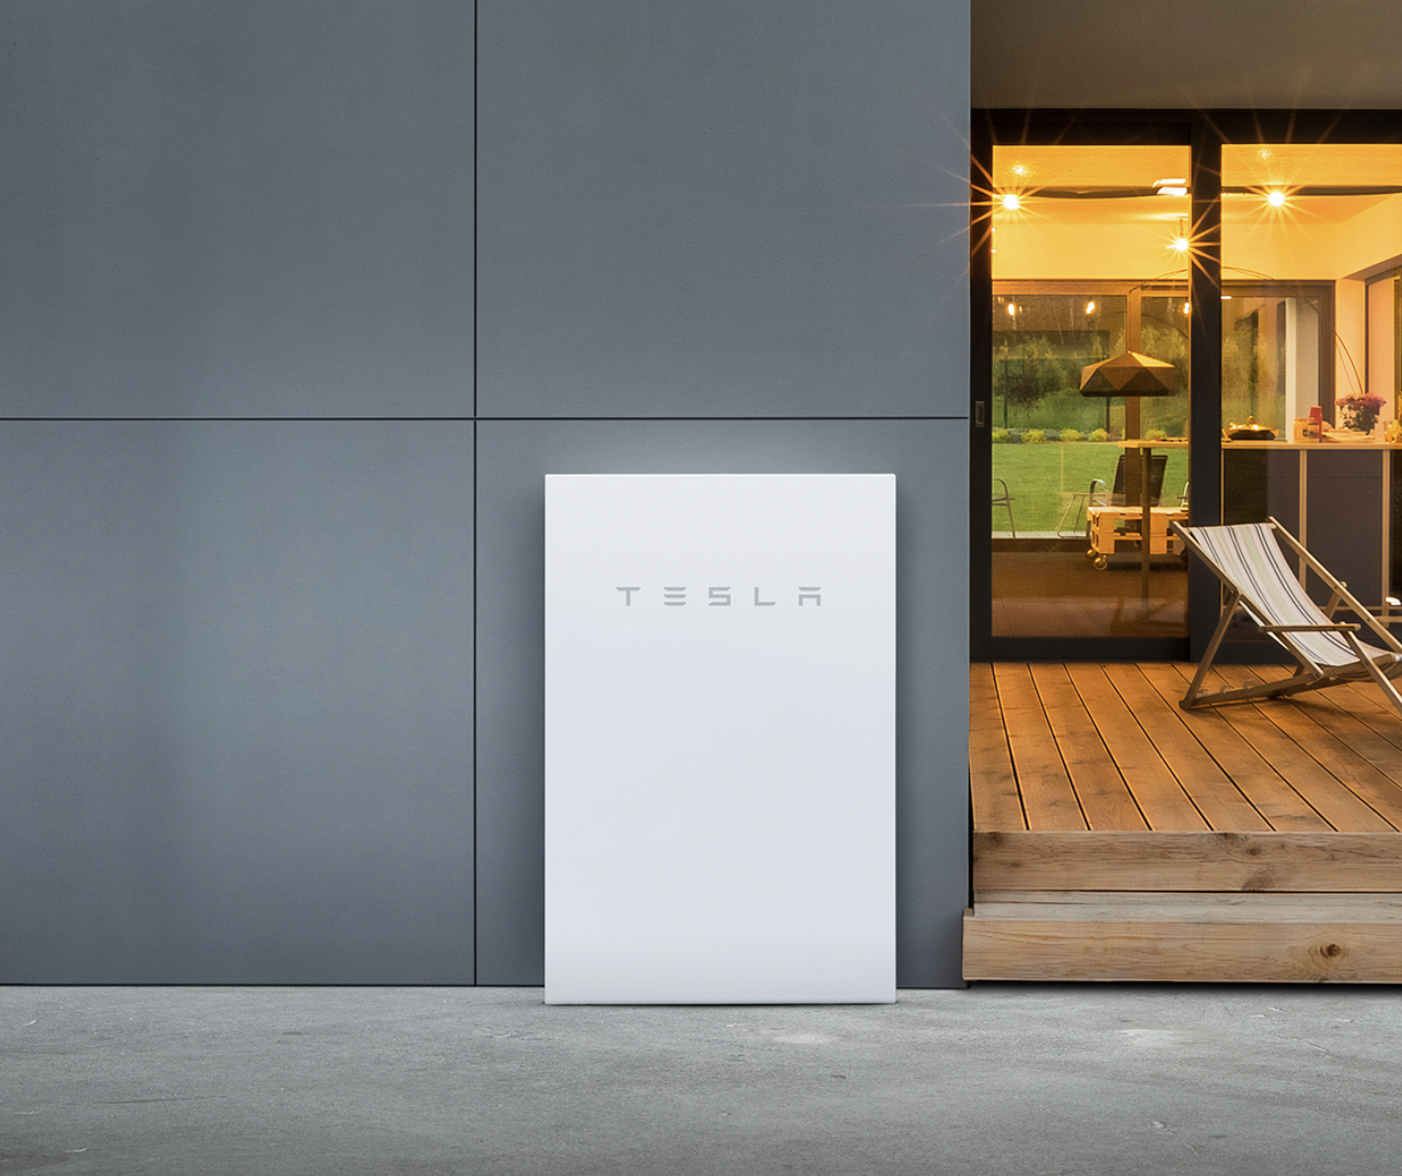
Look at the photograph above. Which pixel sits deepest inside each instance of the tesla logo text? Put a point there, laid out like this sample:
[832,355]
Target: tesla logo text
[677,596]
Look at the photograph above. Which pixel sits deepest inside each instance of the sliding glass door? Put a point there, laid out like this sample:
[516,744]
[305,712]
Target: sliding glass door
[1167,309]
[1088,392]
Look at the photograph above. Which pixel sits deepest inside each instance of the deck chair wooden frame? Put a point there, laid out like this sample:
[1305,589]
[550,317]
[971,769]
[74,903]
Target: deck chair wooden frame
[1259,581]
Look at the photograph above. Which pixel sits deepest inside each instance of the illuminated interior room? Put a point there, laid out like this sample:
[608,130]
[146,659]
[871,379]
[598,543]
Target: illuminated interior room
[1093,249]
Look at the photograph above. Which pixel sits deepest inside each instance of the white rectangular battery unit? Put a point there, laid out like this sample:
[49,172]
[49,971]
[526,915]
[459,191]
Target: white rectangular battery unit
[720,739]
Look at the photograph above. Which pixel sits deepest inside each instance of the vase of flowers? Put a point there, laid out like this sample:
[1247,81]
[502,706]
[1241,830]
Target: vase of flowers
[1359,412]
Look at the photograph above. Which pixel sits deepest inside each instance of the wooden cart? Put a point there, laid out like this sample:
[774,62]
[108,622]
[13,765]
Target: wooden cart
[1119,528]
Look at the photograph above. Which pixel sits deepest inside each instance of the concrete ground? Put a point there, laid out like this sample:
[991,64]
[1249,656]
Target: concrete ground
[1006,1079]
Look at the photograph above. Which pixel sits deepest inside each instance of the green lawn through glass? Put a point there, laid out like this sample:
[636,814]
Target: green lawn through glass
[1043,478]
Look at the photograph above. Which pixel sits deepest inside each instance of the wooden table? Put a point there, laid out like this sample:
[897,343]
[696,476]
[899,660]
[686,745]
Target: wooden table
[1108,531]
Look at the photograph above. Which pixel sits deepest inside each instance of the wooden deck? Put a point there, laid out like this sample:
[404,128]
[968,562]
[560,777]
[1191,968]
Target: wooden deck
[1117,837]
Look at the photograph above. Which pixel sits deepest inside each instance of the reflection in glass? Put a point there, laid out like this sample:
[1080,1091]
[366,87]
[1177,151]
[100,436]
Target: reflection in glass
[1040,344]
[1271,350]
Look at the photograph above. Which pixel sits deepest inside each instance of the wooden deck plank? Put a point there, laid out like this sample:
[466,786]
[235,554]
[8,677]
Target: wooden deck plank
[1369,708]
[1086,860]
[1105,798]
[1102,906]
[1359,697]
[993,784]
[1048,800]
[1321,789]
[1212,790]
[1330,725]
[1267,952]
[1273,797]
[1339,758]
[1365,744]
[1319,766]
[1156,790]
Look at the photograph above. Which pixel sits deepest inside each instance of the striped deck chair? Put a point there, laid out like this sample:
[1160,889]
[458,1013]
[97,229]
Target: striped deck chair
[1249,561]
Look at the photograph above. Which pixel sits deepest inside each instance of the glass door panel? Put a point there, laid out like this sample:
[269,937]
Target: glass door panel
[1087,269]
[1305,228]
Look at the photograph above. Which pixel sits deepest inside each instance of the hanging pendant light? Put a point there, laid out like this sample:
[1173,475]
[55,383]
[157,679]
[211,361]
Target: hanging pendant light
[1129,374]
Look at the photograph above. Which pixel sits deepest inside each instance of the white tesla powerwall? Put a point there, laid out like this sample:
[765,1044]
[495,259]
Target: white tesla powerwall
[720,739]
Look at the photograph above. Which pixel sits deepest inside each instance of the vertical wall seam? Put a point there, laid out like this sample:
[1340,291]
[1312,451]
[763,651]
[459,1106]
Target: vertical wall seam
[476,522]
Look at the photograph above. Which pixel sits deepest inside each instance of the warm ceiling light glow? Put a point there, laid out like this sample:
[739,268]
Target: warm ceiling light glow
[1011,201]
[1275,198]
[1090,307]
[1180,244]
[1012,308]
[1019,169]
[1187,308]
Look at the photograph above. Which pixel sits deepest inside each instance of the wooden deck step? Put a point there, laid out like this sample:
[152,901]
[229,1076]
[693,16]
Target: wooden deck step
[1188,861]
[1118,837]
[1272,938]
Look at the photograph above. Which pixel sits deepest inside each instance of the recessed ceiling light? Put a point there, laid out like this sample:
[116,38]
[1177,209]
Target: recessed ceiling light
[1275,198]
[1011,201]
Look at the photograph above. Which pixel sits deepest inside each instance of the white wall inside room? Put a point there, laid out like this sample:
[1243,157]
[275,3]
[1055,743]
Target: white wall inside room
[1186,54]
[1382,342]
[1301,357]
[1351,333]
[1030,248]
[1039,244]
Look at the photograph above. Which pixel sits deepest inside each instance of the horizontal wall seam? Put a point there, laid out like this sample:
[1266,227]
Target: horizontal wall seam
[446,419]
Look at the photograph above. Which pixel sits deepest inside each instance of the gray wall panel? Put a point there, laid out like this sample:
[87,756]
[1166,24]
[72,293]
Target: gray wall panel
[928,458]
[723,209]
[236,746]
[257,208]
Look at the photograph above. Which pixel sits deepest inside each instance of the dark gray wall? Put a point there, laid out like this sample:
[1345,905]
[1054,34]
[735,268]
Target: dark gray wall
[1187,54]
[722,209]
[237,738]
[236,208]
[239,648]
[236,743]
